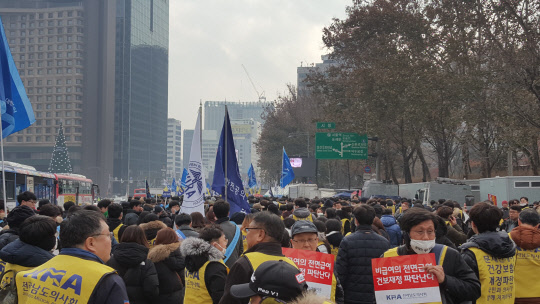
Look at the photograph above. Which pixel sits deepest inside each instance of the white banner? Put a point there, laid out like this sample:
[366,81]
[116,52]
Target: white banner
[195,182]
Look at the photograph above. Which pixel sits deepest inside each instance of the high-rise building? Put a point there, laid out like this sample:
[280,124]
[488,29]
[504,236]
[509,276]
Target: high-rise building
[214,112]
[303,72]
[66,63]
[246,133]
[174,149]
[140,114]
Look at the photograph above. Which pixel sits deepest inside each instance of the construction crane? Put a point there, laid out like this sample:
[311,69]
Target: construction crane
[261,96]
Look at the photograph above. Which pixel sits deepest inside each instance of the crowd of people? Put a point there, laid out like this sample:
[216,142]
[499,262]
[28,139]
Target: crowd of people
[148,251]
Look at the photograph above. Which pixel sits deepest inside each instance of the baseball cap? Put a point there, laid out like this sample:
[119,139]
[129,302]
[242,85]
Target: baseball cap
[276,279]
[303,227]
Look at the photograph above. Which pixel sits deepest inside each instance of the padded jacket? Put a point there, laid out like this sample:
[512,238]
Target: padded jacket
[170,269]
[353,264]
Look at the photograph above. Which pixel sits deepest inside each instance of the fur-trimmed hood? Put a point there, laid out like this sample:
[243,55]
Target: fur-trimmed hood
[161,252]
[157,224]
[310,298]
[197,252]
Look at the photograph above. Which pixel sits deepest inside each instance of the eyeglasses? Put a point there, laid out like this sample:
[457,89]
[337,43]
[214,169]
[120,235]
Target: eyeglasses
[252,228]
[422,233]
[306,241]
[110,234]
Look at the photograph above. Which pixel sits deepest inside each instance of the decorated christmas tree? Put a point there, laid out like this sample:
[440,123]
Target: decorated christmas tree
[60,162]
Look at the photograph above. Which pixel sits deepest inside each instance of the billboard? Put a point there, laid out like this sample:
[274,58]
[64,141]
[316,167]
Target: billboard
[303,167]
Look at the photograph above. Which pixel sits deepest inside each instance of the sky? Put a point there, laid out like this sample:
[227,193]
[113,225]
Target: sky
[210,40]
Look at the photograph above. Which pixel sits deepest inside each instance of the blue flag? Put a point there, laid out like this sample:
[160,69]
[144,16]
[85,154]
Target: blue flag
[17,113]
[236,196]
[252,179]
[287,173]
[148,195]
[184,177]
[173,186]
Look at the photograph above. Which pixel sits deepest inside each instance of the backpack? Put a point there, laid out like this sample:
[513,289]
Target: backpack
[8,294]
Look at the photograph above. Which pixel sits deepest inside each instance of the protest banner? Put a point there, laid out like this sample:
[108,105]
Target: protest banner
[402,279]
[317,267]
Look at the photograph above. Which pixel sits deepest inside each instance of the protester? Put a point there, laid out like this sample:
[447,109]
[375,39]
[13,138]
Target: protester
[505,210]
[512,221]
[527,239]
[43,202]
[231,230]
[86,244]
[245,223]
[151,225]
[206,273]
[163,216]
[131,261]
[28,199]
[36,241]
[103,206]
[305,237]
[490,248]
[183,223]
[197,221]
[353,263]
[457,282]
[392,228]
[301,212]
[170,266]
[14,219]
[333,235]
[277,280]
[454,231]
[115,220]
[132,215]
[264,236]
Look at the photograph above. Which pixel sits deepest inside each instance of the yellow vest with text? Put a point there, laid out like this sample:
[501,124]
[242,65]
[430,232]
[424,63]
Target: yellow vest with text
[115,232]
[496,278]
[527,265]
[393,253]
[244,240]
[6,280]
[196,290]
[62,279]
[309,218]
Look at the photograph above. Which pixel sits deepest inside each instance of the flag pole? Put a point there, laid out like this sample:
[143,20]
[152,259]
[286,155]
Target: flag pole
[226,141]
[200,135]
[282,160]
[3,171]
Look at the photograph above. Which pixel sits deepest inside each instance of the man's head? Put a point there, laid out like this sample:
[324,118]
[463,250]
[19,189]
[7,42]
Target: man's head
[504,204]
[136,205]
[364,215]
[445,212]
[115,211]
[333,225]
[272,279]
[420,226]
[50,210]
[514,212]
[17,216]
[39,230]
[174,206]
[27,198]
[43,202]
[529,217]
[221,209]
[405,206]
[68,205]
[87,230]
[304,236]
[485,217]
[265,227]
[103,205]
[182,219]
[299,203]
[337,205]
[523,201]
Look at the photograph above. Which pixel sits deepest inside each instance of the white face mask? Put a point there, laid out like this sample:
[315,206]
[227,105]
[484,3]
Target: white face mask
[223,250]
[320,214]
[421,247]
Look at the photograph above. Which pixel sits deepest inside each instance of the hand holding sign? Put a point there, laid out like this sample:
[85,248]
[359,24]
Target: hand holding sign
[435,270]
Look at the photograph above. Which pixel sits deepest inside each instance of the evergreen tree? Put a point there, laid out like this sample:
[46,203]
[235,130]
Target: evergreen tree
[60,162]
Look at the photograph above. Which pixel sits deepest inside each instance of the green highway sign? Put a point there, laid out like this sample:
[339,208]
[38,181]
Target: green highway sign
[341,146]
[326,125]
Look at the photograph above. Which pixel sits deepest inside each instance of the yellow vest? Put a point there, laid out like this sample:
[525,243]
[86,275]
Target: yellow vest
[257,258]
[2,266]
[115,232]
[62,279]
[392,252]
[526,273]
[196,291]
[244,240]
[344,222]
[309,218]
[6,280]
[151,243]
[334,250]
[496,278]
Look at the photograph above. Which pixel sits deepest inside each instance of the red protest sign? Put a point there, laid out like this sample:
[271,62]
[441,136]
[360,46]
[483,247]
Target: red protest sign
[401,279]
[318,268]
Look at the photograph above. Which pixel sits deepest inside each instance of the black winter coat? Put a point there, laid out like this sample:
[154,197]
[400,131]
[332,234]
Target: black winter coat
[353,264]
[138,272]
[8,236]
[23,254]
[170,269]
[460,283]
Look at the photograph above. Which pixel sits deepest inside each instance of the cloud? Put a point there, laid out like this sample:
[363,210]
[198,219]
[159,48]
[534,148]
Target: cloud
[210,40]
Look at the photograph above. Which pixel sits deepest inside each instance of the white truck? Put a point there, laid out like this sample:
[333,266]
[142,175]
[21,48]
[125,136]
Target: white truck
[442,188]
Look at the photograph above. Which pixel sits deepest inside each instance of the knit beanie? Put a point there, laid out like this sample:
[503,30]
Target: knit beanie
[18,215]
